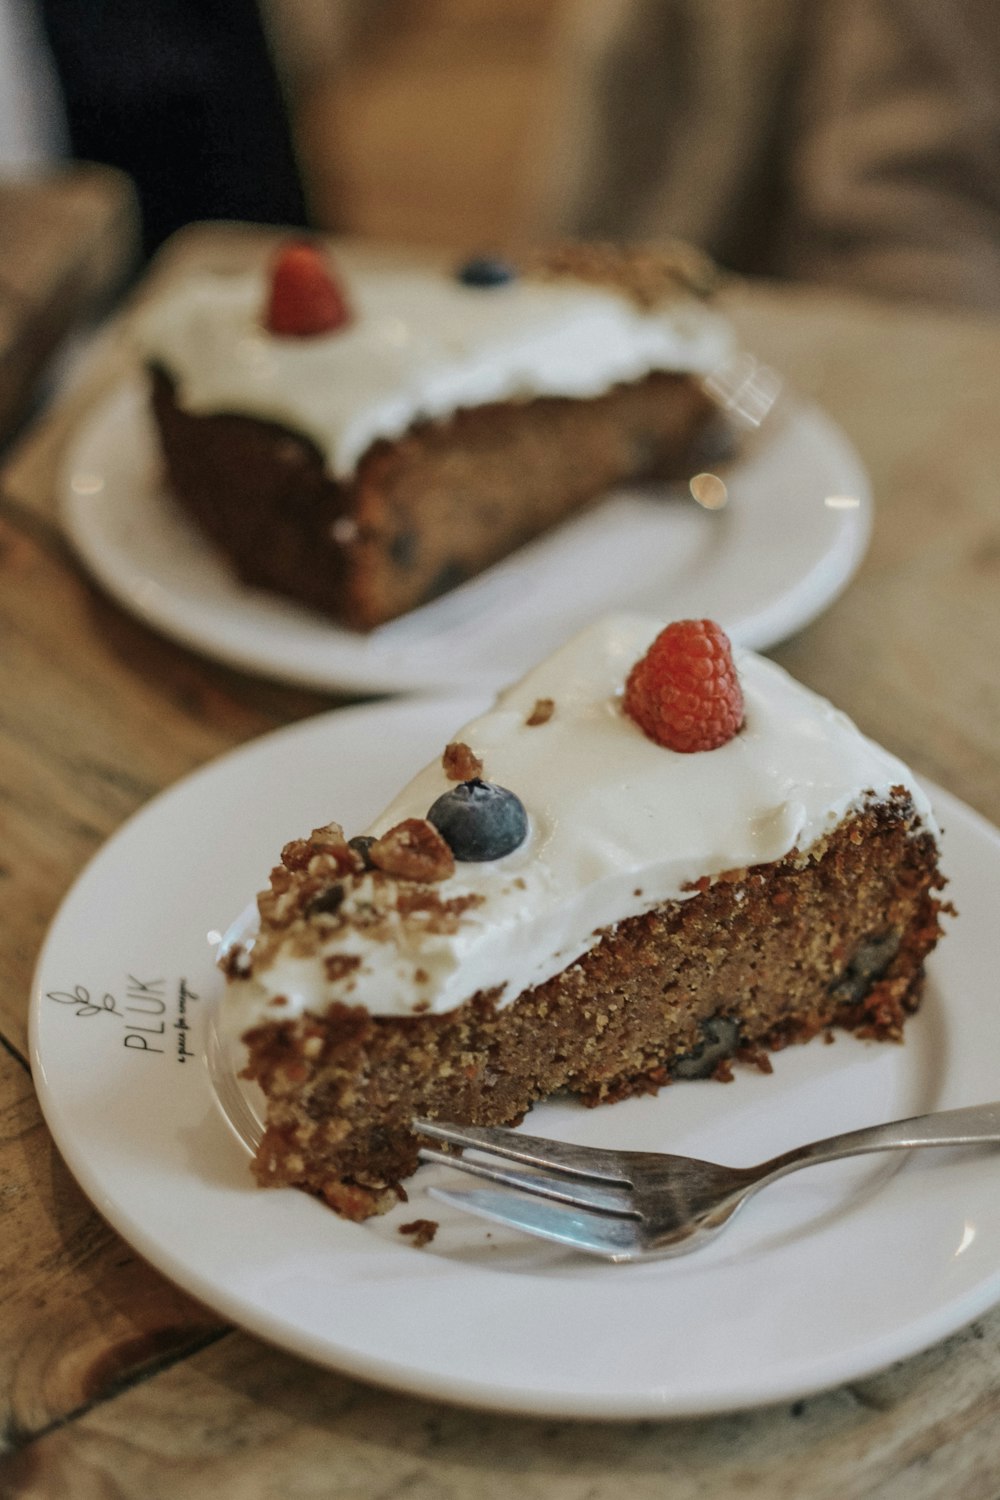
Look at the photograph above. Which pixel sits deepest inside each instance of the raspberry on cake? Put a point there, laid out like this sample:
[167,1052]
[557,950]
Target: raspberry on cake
[304,299]
[599,913]
[684,693]
[362,437]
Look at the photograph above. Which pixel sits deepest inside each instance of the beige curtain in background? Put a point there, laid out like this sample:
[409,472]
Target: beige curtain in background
[847,141]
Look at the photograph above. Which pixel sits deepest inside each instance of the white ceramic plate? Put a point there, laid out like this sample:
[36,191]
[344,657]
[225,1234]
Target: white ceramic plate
[763,567]
[827,1276]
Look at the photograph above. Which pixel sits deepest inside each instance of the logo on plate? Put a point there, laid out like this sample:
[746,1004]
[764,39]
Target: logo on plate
[154,1013]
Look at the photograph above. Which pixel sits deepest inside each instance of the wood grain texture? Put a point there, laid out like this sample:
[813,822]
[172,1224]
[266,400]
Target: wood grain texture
[239,1421]
[80,1311]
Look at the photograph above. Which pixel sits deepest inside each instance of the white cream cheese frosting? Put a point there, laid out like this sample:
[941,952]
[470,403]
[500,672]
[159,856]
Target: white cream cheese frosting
[618,824]
[420,345]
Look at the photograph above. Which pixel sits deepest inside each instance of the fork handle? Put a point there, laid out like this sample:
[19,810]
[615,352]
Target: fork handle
[978,1124]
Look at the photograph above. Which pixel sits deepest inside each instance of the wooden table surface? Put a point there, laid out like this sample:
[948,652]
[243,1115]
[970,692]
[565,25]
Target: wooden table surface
[113,1382]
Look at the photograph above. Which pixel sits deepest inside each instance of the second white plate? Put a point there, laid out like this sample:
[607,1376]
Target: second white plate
[791,536]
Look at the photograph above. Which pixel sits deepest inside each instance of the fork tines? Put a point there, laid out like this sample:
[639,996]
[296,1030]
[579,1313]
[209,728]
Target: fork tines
[578,1176]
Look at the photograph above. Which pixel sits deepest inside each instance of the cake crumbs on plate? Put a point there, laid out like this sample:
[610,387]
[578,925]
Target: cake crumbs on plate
[420,1231]
[542,712]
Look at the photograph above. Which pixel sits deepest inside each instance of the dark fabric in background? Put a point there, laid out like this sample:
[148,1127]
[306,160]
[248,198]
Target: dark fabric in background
[182,95]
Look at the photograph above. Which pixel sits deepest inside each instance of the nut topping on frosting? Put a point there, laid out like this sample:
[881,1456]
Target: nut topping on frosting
[413,850]
[459,763]
[648,274]
[684,693]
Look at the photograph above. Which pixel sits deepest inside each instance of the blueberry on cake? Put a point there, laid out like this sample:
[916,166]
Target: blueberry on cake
[362,441]
[653,856]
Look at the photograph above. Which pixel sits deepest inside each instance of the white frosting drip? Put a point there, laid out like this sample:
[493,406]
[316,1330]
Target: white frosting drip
[618,824]
[420,345]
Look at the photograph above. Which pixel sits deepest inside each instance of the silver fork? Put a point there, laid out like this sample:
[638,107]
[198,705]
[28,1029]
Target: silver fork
[641,1205]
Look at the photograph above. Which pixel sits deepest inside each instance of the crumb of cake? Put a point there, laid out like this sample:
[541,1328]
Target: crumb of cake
[413,850]
[648,274]
[755,1057]
[420,1231]
[723,1070]
[541,713]
[459,763]
[356,1203]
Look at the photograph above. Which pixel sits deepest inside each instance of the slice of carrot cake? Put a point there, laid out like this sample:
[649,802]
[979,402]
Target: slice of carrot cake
[650,857]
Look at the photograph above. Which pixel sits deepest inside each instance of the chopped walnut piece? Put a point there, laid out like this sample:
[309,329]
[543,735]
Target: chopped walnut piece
[297,854]
[460,763]
[328,842]
[413,850]
[542,712]
[331,842]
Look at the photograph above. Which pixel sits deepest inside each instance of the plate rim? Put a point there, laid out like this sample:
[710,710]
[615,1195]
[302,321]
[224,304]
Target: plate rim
[915,1336]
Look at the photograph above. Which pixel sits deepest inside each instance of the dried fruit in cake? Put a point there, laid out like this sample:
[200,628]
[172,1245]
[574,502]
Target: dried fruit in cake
[479,820]
[305,298]
[685,693]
